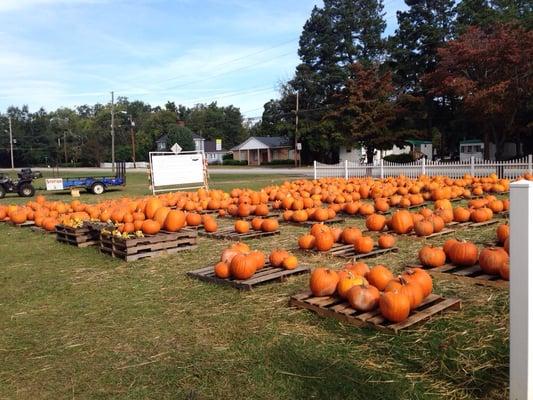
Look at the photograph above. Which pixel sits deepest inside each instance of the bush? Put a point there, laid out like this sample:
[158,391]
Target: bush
[228,156]
[281,162]
[235,162]
[399,158]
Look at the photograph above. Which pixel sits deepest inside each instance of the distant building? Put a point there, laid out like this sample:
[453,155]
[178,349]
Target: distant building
[476,148]
[213,155]
[258,150]
[162,144]
[419,148]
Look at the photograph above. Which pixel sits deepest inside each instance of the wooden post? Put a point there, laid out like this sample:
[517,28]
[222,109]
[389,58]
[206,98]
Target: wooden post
[521,291]
[345,169]
[258,156]
[248,153]
[472,163]
[314,169]
[381,168]
[529,163]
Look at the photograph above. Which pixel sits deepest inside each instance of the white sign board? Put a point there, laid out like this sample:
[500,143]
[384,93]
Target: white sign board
[298,146]
[176,148]
[169,169]
[54,184]
[218,145]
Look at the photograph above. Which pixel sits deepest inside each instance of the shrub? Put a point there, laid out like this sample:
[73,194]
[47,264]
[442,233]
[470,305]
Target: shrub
[235,162]
[281,162]
[399,158]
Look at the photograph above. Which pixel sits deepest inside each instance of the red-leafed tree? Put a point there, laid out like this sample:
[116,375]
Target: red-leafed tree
[490,73]
[365,109]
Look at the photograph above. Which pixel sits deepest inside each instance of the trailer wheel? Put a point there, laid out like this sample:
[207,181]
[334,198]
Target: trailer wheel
[26,190]
[97,188]
[2,192]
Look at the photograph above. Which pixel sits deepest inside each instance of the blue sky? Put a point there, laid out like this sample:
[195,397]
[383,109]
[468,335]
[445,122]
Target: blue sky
[57,53]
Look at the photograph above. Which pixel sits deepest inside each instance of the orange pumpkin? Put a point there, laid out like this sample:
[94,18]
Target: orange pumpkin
[323,281]
[174,221]
[432,256]
[394,306]
[277,256]
[402,222]
[364,297]
[386,241]
[243,266]
[242,226]
[150,227]
[290,262]
[379,276]
[375,222]
[270,225]
[306,242]
[363,244]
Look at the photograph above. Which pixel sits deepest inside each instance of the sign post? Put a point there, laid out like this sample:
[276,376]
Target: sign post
[176,149]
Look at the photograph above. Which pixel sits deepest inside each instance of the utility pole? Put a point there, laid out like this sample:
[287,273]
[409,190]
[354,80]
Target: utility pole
[11,143]
[65,146]
[132,124]
[113,132]
[296,130]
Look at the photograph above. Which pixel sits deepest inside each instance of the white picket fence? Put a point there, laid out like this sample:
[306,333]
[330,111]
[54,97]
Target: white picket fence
[346,169]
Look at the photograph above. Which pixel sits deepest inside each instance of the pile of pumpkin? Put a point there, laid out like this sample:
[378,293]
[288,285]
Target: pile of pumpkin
[319,214]
[491,260]
[257,224]
[322,238]
[239,262]
[367,289]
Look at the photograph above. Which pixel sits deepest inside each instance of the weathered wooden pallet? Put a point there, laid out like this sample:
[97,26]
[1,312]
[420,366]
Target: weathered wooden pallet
[266,274]
[335,307]
[445,231]
[336,220]
[230,234]
[472,275]
[23,225]
[162,243]
[250,217]
[470,224]
[84,236]
[348,251]
[424,204]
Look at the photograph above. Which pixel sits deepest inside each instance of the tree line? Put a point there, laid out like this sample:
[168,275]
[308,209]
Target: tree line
[451,71]
[81,136]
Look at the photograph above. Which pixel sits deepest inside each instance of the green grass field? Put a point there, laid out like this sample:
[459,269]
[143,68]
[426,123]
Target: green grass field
[78,324]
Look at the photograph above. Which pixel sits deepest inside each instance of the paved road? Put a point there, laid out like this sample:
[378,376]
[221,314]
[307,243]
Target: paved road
[213,171]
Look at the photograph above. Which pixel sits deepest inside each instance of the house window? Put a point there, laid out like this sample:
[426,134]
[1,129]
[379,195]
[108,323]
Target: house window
[478,149]
[348,150]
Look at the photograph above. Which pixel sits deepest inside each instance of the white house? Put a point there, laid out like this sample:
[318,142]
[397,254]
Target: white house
[214,154]
[476,148]
[162,145]
[421,147]
[261,149]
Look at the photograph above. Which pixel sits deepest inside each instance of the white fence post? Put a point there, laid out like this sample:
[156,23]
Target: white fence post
[381,168]
[472,164]
[521,291]
[345,169]
[530,163]
[314,169]
[423,166]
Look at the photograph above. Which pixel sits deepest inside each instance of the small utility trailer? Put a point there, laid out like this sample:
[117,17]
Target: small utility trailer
[94,184]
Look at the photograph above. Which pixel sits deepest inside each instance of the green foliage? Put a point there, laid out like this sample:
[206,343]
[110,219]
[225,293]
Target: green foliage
[234,162]
[180,135]
[281,162]
[399,158]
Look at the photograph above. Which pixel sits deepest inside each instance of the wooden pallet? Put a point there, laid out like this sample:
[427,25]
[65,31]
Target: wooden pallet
[23,225]
[445,231]
[84,236]
[149,246]
[265,275]
[230,234]
[336,220]
[472,275]
[38,229]
[335,307]
[250,217]
[470,224]
[348,251]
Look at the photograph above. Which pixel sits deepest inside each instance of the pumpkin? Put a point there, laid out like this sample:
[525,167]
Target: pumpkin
[432,256]
[318,229]
[424,228]
[261,210]
[506,244]
[18,217]
[402,222]
[210,225]
[347,282]
[193,219]
[270,225]
[259,258]
[306,242]
[222,270]
[243,266]
[336,233]
[321,214]
[447,246]
[244,210]
[381,205]
[241,247]
[491,260]
[502,233]
[461,214]
[277,256]
[349,235]
[481,215]
[324,241]
[290,262]
[438,223]
[174,221]
[421,277]
[386,241]
[357,268]
[379,276]
[152,206]
[464,254]
[363,244]
[299,216]
[394,306]
[150,227]
[159,216]
[242,226]
[323,282]
[410,288]
[504,270]
[496,206]
[375,222]
[366,209]
[256,223]
[228,254]
[363,297]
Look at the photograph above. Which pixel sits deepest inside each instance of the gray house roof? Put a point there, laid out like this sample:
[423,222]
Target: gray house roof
[196,136]
[269,141]
[210,146]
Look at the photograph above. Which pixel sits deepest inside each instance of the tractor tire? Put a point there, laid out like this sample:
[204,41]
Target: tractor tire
[26,190]
[98,188]
[2,192]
